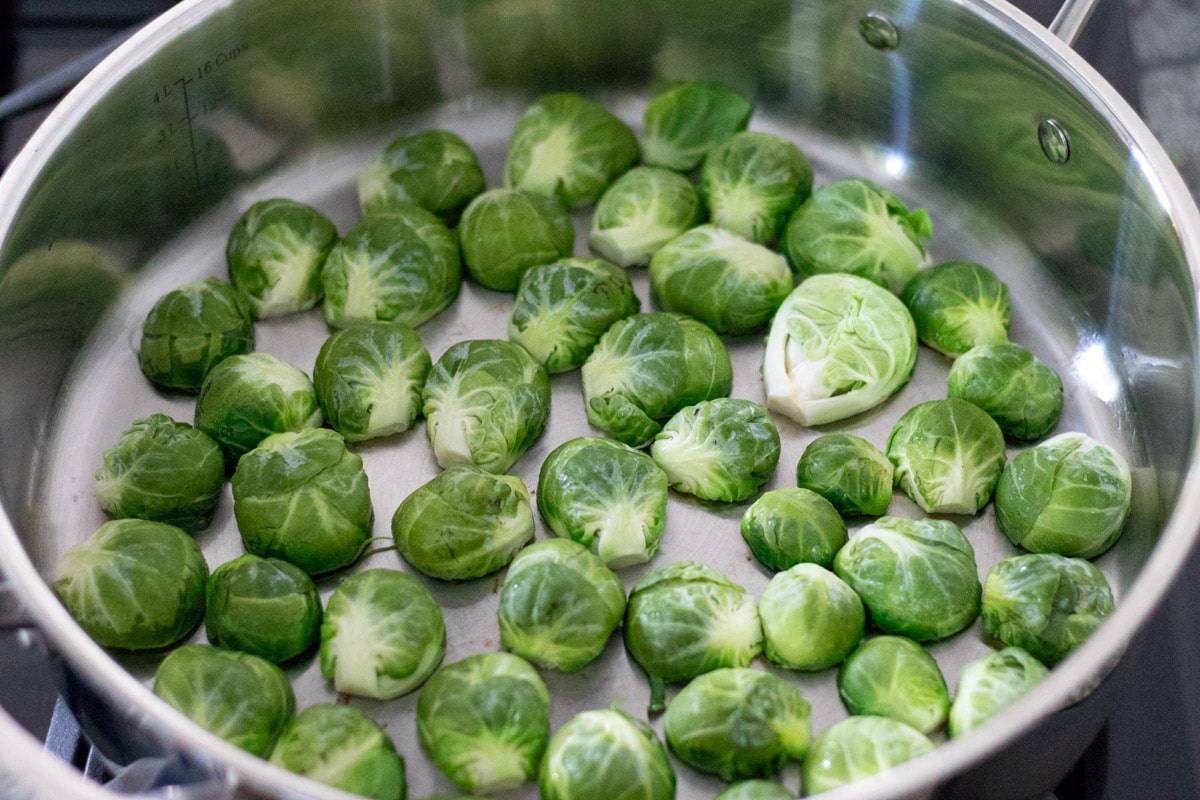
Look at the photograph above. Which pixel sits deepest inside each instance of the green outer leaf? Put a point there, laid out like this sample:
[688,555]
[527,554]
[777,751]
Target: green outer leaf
[958,305]
[505,232]
[683,123]
[755,790]
[436,170]
[810,618]
[643,210]
[786,527]
[890,676]
[192,329]
[339,746]
[265,607]
[857,748]
[1012,385]
[990,685]
[849,472]
[606,755]
[752,182]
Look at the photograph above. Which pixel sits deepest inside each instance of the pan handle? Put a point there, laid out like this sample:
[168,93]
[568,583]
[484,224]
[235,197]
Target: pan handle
[1071,18]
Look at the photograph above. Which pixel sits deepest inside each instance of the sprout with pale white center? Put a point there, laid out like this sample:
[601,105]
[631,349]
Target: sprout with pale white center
[646,208]
[687,120]
[338,746]
[811,619]
[436,170]
[752,181]
[958,305]
[990,685]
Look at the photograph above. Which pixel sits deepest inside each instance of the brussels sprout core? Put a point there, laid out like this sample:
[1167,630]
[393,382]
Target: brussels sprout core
[338,746]
[192,329]
[959,305]
[752,181]
[646,208]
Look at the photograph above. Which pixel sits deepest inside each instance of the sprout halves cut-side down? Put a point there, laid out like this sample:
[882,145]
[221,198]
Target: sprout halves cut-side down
[600,755]
[506,232]
[959,305]
[811,619]
[646,208]
[857,748]
[1012,385]
[849,472]
[993,683]
[192,329]
[791,526]
[891,676]
[687,120]
[755,789]
[752,181]
[339,746]
[436,170]
[262,606]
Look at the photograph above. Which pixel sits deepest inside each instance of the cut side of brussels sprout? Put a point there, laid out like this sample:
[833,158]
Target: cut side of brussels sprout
[436,170]
[990,685]
[600,755]
[506,232]
[857,748]
[786,527]
[849,472]
[959,305]
[338,746]
[262,606]
[810,618]
[685,122]
[1012,385]
[894,677]
[752,181]
[646,208]
[755,790]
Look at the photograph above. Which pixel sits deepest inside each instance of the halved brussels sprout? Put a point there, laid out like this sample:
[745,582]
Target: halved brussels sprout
[506,232]
[917,577]
[484,721]
[752,181]
[810,618]
[436,170]
[602,755]
[562,309]
[849,472]
[755,790]
[686,121]
[1044,603]
[244,699]
[990,685]
[162,470]
[948,456]
[855,226]
[402,264]
[838,346]
[275,254]
[646,208]
[647,367]
[339,746]
[958,305]
[1069,495]
[569,147]
[857,748]
[486,403]
[262,606]
[559,605]
[382,635]
[303,497]
[894,677]
[1012,385]
[192,329]
[134,584]
[786,527]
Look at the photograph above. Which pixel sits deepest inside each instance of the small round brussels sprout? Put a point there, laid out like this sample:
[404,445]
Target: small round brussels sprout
[755,790]
[486,403]
[506,232]
[484,722]
[849,472]
[382,635]
[241,698]
[958,305]
[465,523]
[601,755]
[990,685]
[562,309]
[685,122]
[738,723]
[857,748]
[569,147]
[948,456]
[1012,385]
[303,497]
[436,170]
[134,584]
[162,470]
[646,208]
[1047,604]
[192,329]
[686,619]
[728,283]
[338,746]
[720,450]
[856,226]
[262,606]
[786,527]
[810,618]
[559,605]
[248,397]
[275,254]
[402,264]
[647,367]
[917,577]
[1069,495]
[752,181]
[894,677]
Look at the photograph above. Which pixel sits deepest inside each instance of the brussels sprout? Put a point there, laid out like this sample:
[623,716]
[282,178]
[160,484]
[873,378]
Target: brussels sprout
[838,346]
[134,584]
[486,403]
[686,619]
[303,497]
[1069,495]
[646,208]
[246,398]
[917,577]
[369,379]
[241,698]
[958,305]
[484,721]
[562,309]
[890,676]
[810,618]
[720,450]
[265,607]
[786,527]
[401,264]
[569,147]
[755,790]
[1012,385]
[436,170]
[857,748]
[162,470]
[559,605]
[993,683]
[275,254]
[338,746]
[506,232]
[606,755]
[948,456]
[685,122]
[192,329]
[849,472]
[465,523]
[752,181]
[607,496]
[738,723]
[382,635]
[728,283]
[1047,604]
[647,367]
